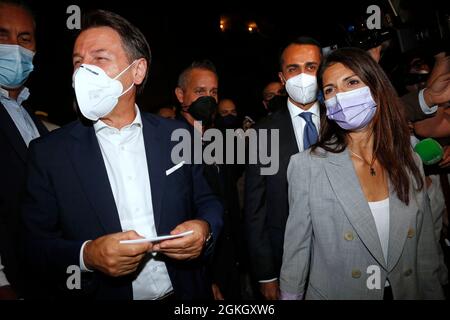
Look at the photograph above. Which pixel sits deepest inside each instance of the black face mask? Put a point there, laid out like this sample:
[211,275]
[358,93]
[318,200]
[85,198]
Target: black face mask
[277,103]
[228,122]
[203,109]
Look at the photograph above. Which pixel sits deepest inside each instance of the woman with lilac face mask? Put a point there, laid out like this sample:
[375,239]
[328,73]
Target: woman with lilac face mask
[359,224]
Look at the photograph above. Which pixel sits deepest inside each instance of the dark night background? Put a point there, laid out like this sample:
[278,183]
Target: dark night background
[181,33]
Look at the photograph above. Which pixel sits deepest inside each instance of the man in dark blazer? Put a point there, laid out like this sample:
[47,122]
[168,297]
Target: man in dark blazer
[18,126]
[266,200]
[266,206]
[93,185]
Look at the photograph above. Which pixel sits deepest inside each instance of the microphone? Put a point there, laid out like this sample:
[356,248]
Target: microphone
[430,151]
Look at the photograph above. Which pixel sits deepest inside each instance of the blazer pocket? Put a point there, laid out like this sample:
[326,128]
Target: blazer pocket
[175,168]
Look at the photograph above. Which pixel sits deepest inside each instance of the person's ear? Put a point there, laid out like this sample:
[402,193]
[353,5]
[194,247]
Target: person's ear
[280,75]
[180,95]
[140,71]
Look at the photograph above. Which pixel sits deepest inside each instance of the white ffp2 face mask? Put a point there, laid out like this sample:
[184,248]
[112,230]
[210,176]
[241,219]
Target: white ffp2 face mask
[302,88]
[97,93]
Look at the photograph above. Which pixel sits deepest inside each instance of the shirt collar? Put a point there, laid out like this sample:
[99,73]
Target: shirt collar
[99,125]
[295,111]
[23,95]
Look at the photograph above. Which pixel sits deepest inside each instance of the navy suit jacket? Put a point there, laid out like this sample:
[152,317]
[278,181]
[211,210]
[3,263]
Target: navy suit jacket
[69,200]
[13,155]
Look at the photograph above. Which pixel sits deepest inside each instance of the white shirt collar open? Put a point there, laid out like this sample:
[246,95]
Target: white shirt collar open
[99,125]
[295,111]
[23,95]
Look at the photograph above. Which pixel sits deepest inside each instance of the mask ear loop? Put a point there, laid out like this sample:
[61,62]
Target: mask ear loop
[125,70]
[132,85]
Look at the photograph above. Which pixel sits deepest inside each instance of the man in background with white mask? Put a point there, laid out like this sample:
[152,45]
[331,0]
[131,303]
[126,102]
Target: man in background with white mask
[18,126]
[93,185]
[266,201]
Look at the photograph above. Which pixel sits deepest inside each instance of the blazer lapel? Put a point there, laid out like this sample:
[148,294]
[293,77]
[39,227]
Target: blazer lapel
[90,167]
[400,216]
[345,184]
[38,123]
[10,130]
[287,135]
[155,150]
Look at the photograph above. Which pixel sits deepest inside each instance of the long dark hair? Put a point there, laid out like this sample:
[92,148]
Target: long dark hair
[392,145]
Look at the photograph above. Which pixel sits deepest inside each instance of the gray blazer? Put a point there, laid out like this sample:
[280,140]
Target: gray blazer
[331,236]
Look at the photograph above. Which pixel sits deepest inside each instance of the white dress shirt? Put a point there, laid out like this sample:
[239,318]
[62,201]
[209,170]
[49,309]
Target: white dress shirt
[299,123]
[3,280]
[19,115]
[125,159]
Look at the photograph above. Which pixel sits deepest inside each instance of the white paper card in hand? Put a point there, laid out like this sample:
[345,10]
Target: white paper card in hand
[157,239]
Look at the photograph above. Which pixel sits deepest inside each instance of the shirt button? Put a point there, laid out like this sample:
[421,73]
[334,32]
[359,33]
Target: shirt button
[410,233]
[122,148]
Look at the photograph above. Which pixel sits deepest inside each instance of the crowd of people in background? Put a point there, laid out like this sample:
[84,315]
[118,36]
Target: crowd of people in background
[362,188]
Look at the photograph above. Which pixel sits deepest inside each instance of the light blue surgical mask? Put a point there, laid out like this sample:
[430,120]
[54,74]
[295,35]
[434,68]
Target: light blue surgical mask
[16,64]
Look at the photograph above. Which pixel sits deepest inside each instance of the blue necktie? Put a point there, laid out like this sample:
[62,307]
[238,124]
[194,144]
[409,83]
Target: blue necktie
[310,134]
